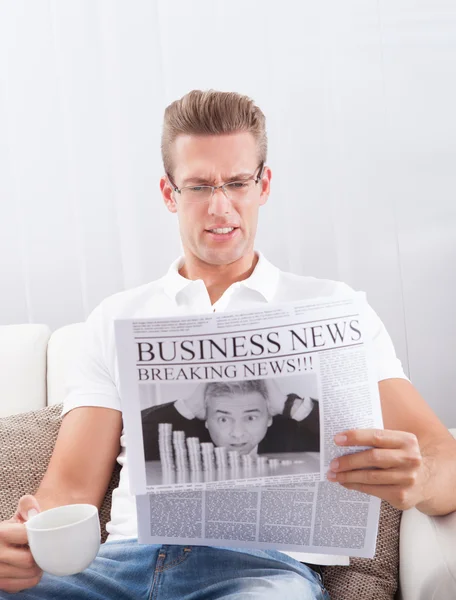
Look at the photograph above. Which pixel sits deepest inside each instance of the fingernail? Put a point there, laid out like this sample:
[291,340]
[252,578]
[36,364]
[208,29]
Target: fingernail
[331,475]
[31,513]
[334,464]
[340,439]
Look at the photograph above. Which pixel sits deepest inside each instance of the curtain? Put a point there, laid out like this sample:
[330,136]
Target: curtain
[359,98]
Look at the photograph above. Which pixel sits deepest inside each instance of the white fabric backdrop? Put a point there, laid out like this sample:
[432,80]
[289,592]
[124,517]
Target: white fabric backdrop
[359,97]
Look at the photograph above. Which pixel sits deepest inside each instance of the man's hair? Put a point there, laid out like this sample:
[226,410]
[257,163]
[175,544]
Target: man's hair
[212,113]
[223,388]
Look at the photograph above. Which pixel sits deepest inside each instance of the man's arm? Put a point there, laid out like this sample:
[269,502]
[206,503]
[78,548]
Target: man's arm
[404,409]
[83,459]
[289,435]
[415,456]
[79,471]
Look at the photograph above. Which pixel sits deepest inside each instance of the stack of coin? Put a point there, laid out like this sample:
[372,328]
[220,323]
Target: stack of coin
[262,461]
[221,457]
[233,459]
[180,451]
[207,450]
[182,476]
[286,463]
[168,477]
[247,461]
[197,477]
[194,453]
[274,462]
[165,446]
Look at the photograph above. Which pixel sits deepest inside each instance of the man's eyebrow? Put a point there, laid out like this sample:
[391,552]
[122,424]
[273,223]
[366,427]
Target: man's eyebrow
[208,181]
[248,410]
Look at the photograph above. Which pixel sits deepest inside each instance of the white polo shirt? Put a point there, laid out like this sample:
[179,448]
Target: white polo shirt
[95,379]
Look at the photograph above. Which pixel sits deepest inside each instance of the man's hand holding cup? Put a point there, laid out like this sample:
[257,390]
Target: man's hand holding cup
[18,569]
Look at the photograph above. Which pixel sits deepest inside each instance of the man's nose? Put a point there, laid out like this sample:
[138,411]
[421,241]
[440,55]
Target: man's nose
[219,204]
[237,430]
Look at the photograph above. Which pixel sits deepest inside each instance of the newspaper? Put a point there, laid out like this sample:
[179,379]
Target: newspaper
[230,420]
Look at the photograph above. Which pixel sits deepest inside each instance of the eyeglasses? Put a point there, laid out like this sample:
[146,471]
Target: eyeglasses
[233,190]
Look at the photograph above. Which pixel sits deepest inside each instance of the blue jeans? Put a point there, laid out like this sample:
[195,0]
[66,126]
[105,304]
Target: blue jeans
[126,570]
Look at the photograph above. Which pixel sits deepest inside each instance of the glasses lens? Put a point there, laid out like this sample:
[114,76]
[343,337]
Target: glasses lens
[238,189]
[197,193]
[235,190]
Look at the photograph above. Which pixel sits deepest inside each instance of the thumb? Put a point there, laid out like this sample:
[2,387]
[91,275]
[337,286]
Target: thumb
[27,507]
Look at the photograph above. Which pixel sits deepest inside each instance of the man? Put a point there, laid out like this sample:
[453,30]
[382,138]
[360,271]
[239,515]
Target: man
[214,151]
[239,416]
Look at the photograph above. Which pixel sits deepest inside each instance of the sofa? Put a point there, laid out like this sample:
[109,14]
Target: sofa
[32,387]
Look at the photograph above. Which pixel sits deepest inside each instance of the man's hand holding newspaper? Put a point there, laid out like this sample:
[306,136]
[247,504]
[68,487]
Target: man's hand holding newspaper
[392,469]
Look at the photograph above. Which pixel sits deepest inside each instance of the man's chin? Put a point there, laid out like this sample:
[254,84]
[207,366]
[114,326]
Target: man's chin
[242,449]
[219,256]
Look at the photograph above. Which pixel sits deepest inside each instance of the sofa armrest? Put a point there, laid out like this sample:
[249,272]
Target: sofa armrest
[23,368]
[427,556]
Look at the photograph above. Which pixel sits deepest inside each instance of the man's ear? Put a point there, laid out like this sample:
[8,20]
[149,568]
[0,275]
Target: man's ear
[168,194]
[269,421]
[205,425]
[265,183]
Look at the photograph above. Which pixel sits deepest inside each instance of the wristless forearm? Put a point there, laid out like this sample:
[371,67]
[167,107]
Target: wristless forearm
[52,497]
[439,486]
[55,490]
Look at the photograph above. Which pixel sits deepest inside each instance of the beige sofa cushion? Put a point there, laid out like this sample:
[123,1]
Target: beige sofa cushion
[367,579]
[27,442]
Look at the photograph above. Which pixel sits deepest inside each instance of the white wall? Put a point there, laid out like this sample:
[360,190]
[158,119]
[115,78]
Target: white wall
[359,97]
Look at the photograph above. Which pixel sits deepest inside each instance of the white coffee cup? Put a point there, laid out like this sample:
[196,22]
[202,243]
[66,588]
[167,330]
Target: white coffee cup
[66,539]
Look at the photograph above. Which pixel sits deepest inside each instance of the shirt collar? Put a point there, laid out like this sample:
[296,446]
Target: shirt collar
[263,280]
[173,282]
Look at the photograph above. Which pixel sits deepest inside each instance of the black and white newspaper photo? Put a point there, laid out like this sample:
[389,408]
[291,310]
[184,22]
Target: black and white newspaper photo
[230,430]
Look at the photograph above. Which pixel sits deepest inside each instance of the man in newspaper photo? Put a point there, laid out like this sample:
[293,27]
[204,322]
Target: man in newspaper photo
[249,417]
[216,179]
[239,415]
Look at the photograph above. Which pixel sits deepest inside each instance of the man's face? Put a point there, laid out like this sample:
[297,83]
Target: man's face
[213,160]
[238,422]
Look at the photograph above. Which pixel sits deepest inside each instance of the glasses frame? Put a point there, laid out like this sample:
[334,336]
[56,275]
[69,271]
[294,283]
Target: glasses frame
[222,187]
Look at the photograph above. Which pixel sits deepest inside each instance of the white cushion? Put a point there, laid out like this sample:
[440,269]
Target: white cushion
[427,555]
[60,355]
[23,368]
